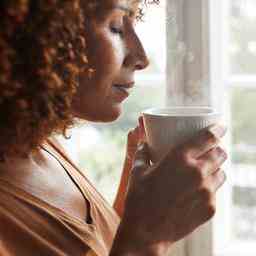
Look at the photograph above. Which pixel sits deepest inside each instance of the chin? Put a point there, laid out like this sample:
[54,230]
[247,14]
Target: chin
[108,115]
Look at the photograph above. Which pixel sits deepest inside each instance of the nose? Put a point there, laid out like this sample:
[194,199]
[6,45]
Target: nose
[142,62]
[136,57]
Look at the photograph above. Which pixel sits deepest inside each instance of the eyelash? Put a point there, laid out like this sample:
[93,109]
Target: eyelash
[116,31]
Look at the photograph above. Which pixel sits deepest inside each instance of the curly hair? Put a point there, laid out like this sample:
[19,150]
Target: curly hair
[42,53]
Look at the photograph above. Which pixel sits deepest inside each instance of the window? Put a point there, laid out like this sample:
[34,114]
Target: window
[211,61]
[240,76]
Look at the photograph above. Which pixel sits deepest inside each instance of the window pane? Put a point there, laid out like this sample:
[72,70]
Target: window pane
[152,33]
[242,46]
[244,163]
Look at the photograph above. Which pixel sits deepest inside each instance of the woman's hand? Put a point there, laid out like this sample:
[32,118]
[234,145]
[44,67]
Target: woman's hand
[135,136]
[170,199]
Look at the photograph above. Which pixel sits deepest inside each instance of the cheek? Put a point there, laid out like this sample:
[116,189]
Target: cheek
[119,50]
[114,51]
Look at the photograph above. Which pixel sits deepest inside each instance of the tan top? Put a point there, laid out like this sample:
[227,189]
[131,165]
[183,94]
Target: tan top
[31,226]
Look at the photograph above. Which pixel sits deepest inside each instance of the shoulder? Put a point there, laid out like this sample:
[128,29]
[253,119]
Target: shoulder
[53,141]
[27,226]
[60,147]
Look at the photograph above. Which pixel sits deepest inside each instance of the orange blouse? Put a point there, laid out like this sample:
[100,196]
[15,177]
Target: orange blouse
[31,226]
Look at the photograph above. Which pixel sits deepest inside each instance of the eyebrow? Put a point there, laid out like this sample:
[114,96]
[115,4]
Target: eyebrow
[125,9]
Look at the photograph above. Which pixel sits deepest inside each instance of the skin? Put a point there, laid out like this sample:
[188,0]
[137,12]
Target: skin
[120,57]
[171,210]
[121,54]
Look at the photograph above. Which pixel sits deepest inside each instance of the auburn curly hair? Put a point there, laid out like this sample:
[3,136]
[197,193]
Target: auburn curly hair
[42,53]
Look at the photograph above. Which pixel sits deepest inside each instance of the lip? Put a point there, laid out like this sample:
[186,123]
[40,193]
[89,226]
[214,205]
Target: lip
[120,90]
[128,85]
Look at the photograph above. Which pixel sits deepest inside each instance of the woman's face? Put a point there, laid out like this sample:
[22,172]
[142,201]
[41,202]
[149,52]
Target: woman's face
[115,51]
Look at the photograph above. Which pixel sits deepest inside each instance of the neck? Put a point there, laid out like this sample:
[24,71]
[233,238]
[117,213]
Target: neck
[15,164]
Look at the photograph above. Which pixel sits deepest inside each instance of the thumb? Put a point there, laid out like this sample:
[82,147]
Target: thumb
[142,158]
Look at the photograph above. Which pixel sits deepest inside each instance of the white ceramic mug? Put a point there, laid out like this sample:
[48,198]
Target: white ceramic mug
[167,127]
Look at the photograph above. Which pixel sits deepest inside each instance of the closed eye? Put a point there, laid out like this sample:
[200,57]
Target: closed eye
[116,30]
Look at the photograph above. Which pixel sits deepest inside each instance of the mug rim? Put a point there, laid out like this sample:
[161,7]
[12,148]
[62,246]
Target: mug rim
[150,111]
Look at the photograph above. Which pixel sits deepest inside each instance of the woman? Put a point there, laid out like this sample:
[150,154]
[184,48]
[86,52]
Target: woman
[61,60]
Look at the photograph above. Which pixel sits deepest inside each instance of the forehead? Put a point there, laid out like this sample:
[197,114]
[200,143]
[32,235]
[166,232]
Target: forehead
[101,9]
[126,5]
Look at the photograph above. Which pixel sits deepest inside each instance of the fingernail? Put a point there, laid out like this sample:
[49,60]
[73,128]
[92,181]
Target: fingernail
[140,145]
[218,130]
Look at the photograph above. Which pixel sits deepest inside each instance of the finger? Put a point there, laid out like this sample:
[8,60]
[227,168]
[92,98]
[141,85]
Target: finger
[204,211]
[206,139]
[210,185]
[197,210]
[215,181]
[142,129]
[141,158]
[212,161]
[135,132]
[133,137]
[205,190]
[141,123]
